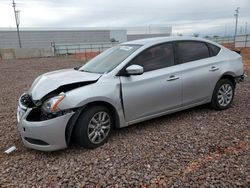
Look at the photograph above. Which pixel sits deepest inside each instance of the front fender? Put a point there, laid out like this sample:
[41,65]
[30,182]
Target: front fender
[108,92]
[95,92]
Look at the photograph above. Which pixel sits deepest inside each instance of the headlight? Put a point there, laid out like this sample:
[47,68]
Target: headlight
[51,105]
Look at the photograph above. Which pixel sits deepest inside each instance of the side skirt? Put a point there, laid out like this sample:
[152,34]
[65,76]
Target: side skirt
[166,112]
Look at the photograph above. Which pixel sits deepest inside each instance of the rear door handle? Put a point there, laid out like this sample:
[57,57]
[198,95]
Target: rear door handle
[213,68]
[172,77]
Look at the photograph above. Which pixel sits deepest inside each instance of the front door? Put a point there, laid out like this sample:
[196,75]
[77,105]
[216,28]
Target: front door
[157,90]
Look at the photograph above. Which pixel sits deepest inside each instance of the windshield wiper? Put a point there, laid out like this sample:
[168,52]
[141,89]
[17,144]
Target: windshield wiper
[85,71]
[89,71]
[77,68]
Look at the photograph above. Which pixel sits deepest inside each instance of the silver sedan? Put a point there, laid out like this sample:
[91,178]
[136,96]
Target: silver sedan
[124,85]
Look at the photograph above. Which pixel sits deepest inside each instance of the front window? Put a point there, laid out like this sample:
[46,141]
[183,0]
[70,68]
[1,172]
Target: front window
[109,59]
[156,57]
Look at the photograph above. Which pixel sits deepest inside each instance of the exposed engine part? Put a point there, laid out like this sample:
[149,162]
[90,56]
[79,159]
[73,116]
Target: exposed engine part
[26,101]
[37,114]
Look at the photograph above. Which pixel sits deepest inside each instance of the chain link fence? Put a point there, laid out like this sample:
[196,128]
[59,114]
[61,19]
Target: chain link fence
[82,50]
[240,41]
[89,50]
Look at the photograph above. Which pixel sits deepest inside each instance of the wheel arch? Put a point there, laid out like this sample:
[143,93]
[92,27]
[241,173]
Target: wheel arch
[214,100]
[71,124]
[110,107]
[229,76]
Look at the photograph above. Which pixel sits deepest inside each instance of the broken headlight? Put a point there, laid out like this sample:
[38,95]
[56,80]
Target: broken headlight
[51,105]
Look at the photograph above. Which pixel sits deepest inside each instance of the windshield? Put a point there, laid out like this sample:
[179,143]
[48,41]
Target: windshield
[109,59]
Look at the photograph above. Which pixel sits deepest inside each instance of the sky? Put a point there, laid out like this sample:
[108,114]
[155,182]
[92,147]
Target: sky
[209,17]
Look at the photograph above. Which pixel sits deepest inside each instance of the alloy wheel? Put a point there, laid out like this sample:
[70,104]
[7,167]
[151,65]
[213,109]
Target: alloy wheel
[99,127]
[225,95]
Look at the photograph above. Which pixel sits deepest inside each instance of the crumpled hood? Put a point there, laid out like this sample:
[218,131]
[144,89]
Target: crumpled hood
[51,81]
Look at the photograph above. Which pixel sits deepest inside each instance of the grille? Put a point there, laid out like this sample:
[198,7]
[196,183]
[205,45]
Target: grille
[36,141]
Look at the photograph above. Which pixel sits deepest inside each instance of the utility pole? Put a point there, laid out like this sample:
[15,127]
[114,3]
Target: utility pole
[225,34]
[241,29]
[246,28]
[236,22]
[17,18]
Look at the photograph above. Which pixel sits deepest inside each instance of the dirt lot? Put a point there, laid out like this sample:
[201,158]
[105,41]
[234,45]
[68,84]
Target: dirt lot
[245,52]
[196,147]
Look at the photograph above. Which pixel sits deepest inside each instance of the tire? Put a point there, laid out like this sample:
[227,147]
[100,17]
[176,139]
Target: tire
[223,94]
[93,127]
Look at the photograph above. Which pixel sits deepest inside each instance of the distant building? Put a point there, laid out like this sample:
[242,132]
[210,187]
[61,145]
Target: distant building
[134,33]
[42,38]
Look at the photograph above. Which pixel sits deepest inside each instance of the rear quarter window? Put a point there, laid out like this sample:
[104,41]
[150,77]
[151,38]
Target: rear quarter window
[214,50]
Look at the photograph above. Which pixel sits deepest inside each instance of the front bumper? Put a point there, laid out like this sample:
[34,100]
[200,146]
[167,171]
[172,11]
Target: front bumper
[48,135]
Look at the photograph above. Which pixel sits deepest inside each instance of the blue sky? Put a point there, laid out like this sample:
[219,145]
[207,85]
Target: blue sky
[185,16]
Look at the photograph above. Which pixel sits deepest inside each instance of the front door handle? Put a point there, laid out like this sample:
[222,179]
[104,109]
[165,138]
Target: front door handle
[172,77]
[213,68]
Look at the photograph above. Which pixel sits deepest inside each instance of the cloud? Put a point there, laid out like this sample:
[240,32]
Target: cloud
[185,16]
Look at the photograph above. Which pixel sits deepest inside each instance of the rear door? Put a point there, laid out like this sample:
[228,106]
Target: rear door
[200,71]
[158,89]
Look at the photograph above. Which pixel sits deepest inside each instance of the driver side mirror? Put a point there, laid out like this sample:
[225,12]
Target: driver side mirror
[134,70]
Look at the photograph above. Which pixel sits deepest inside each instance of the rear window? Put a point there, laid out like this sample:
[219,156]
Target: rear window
[213,49]
[191,51]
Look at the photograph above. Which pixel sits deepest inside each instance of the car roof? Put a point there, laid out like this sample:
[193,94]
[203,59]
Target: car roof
[156,40]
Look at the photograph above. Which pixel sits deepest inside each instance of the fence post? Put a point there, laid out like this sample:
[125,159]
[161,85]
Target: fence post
[53,45]
[85,54]
[246,40]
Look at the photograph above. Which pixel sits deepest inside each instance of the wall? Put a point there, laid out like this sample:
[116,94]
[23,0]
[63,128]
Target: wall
[20,53]
[43,39]
[151,29]
[118,35]
[142,36]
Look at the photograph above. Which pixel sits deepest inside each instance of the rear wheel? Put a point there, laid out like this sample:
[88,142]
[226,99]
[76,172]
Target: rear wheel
[223,94]
[93,126]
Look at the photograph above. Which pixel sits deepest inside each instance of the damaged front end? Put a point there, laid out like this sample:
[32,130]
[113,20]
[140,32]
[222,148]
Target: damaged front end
[40,112]
[42,118]
[48,106]
[43,123]
[43,128]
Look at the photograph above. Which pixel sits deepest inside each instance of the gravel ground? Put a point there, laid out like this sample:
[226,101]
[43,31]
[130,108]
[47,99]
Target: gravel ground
[196,147]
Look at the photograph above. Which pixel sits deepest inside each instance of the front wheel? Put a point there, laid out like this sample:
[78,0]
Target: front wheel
[223,94]
[93,127]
